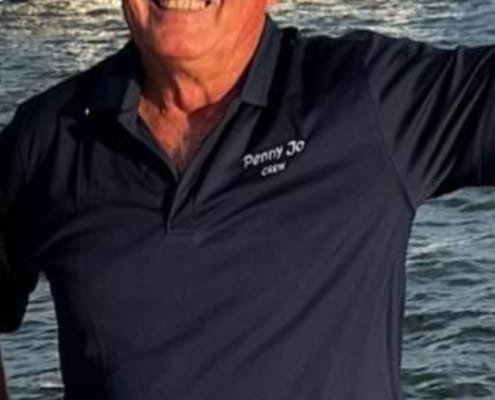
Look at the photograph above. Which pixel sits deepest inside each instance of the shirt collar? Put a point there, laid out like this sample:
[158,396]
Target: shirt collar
[262,67]
[119,85]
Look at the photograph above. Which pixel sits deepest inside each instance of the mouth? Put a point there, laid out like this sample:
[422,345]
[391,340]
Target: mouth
[185,5]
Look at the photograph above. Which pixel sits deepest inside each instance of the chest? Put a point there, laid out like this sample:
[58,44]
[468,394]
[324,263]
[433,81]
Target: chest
[267,205]
[255,169]
[179,146]
[179,136]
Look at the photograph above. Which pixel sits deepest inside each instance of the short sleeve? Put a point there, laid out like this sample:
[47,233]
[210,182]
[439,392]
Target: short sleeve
[16,280]
[435,111]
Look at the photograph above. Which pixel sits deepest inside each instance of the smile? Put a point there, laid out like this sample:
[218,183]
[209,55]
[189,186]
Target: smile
[185,5]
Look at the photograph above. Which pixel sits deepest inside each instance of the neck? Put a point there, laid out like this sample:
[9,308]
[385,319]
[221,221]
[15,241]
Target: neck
[190,85]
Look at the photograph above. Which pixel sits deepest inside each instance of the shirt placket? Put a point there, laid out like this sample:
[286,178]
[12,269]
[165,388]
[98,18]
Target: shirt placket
[178,201]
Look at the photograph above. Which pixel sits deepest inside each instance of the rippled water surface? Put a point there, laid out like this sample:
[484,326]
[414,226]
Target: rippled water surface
[449,349]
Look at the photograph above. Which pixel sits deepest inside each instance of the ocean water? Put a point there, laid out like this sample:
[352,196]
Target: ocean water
[449,347]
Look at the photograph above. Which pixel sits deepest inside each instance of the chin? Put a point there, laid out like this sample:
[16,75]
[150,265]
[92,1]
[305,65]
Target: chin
[169,34]
[177,48]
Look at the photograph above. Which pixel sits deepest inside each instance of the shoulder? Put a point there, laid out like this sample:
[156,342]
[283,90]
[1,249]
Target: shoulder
[326,61]
[321,58]
[359,45]
[43,108]
[36,122]
[334,49]
[69,95]
[322,63]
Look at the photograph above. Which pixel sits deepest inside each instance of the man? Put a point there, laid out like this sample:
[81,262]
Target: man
[222,208]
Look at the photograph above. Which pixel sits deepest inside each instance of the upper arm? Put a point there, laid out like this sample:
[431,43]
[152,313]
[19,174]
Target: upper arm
[435,108]
[17,280]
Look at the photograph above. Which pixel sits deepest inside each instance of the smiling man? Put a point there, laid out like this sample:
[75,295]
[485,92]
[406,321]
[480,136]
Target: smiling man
[222,208]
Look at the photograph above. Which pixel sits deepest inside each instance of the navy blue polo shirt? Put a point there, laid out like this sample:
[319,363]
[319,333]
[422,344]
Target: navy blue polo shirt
[273,268]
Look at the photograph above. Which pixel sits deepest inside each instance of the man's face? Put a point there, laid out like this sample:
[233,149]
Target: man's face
[187,29]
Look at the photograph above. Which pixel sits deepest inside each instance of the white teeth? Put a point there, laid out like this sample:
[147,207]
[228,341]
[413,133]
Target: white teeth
[186,5]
